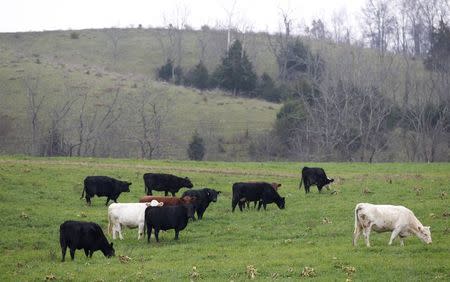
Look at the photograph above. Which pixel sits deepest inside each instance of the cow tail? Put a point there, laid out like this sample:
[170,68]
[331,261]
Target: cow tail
[84,189]
[357,209]
[301,181]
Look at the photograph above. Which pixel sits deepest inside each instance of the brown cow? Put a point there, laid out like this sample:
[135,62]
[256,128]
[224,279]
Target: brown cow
[169,201]
[274,186]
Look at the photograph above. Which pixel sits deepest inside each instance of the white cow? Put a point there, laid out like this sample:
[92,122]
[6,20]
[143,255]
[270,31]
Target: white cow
[131,215]
[382,218]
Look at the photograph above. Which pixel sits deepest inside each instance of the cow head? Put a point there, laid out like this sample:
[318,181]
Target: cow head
[281,203]
[109,251]
[425,234]
[125,186]
[212,195]
[275,185]
[188,200]
[187,182]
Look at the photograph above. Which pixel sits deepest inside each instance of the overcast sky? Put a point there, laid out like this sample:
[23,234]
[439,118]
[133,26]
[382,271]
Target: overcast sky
[260,15]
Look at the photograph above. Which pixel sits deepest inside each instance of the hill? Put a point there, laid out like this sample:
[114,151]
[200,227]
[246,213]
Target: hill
[58,68]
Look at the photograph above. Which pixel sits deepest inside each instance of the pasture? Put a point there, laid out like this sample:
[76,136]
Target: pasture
[315,230]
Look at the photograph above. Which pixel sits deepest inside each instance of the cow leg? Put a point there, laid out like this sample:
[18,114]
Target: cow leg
[63,251]
[86,252]
[90,253]
[72,253]
[306,187]
[356,234]
[107,201]
[157,234]
[401,240]
[367,234]
[233,204]
[140,231]
[149,232]
[173,194]
[176,234]
[320,188]
[394,235]
[88,199]
[166,193]
[200,214]
[119,229]
[259,205]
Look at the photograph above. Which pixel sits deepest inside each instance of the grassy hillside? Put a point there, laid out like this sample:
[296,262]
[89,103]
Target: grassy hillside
[314,230]
[59,67]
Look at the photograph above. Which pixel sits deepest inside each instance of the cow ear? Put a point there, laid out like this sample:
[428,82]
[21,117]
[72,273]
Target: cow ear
[129,183]
[279,185]
[218,192]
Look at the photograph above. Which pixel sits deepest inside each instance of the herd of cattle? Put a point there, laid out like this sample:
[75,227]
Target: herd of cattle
[165,213]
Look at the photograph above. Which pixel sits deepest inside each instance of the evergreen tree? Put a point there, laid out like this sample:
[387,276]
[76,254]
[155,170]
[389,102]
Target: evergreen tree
[266,89]
[438,57]
[196,149]
[168,72]
[235,73]
[198,77]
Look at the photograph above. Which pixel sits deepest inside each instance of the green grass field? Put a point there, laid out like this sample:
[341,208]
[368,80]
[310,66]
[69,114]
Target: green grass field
[314,230]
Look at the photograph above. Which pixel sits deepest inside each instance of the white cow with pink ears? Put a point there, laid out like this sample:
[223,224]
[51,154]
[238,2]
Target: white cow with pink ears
[382,218]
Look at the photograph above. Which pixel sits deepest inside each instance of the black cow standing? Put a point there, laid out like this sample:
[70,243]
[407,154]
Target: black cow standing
[314,176]
[77,235]
[167,217]
[165,182]
[203,197]
[255,191]
[104,186]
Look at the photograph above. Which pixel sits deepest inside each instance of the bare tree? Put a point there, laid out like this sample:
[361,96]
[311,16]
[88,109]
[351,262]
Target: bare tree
[378,23]
[90,128]
[34,107]
[56,139]
[278,44]
[114,38]
[151,113]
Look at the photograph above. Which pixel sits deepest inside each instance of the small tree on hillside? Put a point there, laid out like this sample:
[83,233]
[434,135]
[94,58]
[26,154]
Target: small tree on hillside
[236,71]
[196,149]
[167,72]
[198,77]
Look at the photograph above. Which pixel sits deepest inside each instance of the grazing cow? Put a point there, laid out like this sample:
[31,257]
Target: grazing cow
[167,217]
[203,198]
[314,176]
[165,182]
[83,235]
[274,185]
[382,218]
[104,186]
[131,215]
[260,191]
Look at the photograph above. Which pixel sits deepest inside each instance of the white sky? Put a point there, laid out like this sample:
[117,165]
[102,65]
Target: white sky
[260,15]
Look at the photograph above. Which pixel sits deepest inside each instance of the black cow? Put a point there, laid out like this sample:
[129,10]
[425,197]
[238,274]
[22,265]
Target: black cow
[203,197]
[83,235]
[167,217]
[314,176]
[104,186]
[165,182]
[255,191]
